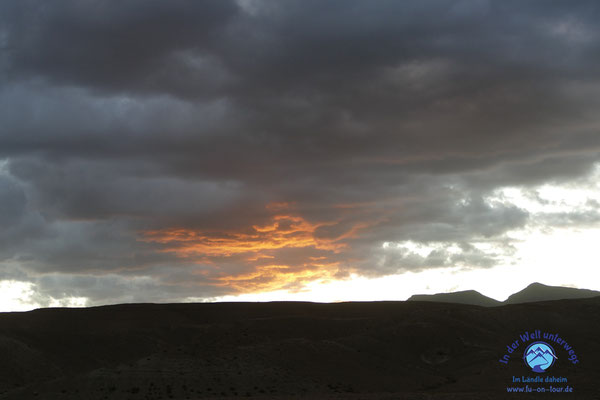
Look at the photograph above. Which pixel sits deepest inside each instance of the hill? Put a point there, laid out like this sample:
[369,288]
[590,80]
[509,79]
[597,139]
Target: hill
[532,293]
[378,350]
[539,292]
[463,297]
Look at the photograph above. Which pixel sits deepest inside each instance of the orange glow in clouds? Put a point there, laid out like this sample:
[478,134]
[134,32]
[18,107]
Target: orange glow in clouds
[277,277]
[258,252]
[285,232]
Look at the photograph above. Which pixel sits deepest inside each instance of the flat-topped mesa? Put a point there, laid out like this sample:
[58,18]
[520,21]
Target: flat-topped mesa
[471,297]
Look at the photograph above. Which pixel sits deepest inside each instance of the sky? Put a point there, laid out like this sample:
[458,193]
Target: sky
[336,150]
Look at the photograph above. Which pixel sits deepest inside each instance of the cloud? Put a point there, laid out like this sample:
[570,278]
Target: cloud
[131,47]
[12,199]
[253,144]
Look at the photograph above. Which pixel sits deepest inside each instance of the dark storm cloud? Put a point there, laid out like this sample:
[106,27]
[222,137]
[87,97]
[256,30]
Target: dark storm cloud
[373,121]
[12,199]
[94,43]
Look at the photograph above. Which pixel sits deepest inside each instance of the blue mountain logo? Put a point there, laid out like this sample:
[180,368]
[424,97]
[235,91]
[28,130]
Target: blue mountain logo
[539,356]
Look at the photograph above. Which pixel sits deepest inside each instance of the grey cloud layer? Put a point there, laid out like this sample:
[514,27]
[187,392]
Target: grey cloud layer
[118,119]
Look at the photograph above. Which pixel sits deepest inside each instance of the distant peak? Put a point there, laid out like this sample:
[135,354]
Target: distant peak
[537,284]
[472,297]
[539,292]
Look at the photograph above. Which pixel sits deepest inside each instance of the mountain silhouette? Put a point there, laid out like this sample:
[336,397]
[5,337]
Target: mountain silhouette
[539,355]
[539,351]
[530,352]
[471,297]
[546,352]
[539,292]
[532,293]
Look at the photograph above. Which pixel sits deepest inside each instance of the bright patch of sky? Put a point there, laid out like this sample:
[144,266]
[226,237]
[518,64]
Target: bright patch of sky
[22,296]
[16,296]
[559,255]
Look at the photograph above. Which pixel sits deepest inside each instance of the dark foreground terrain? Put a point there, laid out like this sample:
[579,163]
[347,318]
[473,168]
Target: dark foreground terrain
[379,350]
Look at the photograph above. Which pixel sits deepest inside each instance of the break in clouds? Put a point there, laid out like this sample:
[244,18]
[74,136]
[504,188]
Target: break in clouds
[160,151]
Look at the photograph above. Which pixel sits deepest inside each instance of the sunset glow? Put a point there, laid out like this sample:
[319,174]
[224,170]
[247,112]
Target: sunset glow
[326,151]
[260,248]
[285,231]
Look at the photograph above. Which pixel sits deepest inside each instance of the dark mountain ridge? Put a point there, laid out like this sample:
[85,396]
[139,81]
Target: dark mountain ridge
[472,297]
[539,292]
[532,293]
